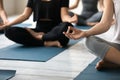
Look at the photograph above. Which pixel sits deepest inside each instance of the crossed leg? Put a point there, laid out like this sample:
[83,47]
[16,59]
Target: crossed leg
[111,60]
[39,35]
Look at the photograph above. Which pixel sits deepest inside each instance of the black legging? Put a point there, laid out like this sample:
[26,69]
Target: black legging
[22,36]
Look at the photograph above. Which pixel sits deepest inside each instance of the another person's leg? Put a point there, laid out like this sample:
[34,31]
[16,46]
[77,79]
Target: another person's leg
[107,51]
[93,20]
[81,21]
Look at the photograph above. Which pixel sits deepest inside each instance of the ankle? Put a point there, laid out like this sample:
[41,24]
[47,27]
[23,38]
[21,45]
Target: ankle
[52,43]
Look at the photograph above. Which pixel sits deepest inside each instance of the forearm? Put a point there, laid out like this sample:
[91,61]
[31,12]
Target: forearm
[65,16]
[106,20]
[73,19]
[98,29]
[19,19]
[24,16]
[3,15]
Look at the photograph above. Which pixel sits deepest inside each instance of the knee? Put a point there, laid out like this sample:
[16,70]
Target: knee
[97,46]
[12,32]
[91,43]
[9,32]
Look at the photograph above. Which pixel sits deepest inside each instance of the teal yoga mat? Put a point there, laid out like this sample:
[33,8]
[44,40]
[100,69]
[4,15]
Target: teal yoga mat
[7,74]
[23,25]
[42,54]
[90,73]
[83,27]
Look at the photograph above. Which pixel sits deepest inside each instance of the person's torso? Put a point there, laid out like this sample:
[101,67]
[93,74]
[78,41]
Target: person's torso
[116,38]
[47,14]
[89,7]
[47,10]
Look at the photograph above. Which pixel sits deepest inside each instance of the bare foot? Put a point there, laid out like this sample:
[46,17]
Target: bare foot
[37,35]
[53,43]
[106,65]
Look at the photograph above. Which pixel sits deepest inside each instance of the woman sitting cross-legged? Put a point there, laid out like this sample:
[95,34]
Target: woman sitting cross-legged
[52,19]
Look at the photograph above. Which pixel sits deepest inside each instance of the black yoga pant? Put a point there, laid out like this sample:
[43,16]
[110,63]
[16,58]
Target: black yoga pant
[22,36]
[57,34]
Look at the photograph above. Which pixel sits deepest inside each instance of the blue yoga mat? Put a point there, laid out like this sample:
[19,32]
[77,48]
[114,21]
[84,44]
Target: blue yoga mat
[90,73]
[83,27]
[18,52]
[7,74]
[23,25]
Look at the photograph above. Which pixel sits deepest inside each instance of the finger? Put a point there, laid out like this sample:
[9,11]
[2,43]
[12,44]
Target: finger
[72,30]
[68,31]
[67,35]
[72,37]
[64,33]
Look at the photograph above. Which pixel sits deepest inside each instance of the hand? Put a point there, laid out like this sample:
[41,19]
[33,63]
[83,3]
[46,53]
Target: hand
[73,19]
[5,21]
[74,33]
[3,26]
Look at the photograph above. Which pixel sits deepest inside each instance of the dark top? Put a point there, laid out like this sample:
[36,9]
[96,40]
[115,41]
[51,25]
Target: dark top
[89,7]
[51,9]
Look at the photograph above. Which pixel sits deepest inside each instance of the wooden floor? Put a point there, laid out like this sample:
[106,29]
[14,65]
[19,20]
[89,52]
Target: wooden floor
[65,66]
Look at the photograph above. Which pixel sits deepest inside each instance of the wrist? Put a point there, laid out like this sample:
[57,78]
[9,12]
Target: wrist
[87,34]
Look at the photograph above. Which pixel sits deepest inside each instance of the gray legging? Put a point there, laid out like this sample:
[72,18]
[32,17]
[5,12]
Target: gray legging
[99,47]
[82,20]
